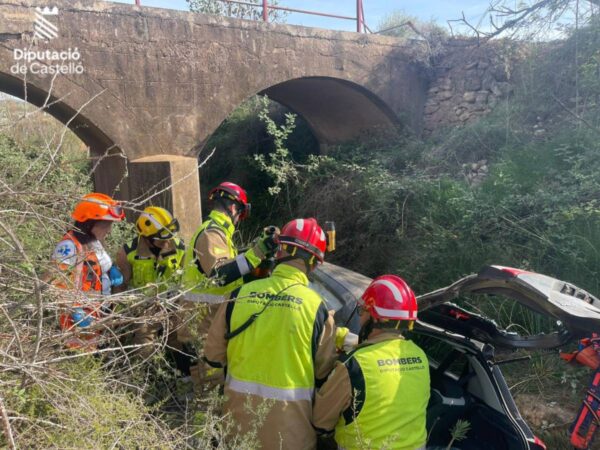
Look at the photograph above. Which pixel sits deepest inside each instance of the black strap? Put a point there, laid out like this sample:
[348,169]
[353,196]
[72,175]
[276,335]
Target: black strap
[357,381]
[229,308]
[253,317]
[213,364]
[320,320]
[131,246]
[244,326]
[321,432]
[345,357]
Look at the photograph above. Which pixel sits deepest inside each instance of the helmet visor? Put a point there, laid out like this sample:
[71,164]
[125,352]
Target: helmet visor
[166,233]
[117,212]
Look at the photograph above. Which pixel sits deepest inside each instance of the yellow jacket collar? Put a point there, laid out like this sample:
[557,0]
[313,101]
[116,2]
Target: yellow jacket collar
[223,220]
[292,273]
[385,336]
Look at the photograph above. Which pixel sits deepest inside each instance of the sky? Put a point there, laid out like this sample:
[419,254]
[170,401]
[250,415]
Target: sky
[375,10]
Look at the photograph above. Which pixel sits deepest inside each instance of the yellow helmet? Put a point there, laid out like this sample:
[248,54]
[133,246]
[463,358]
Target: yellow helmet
[156,223]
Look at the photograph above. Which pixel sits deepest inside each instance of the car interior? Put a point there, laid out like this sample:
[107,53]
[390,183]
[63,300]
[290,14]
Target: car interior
[462,389]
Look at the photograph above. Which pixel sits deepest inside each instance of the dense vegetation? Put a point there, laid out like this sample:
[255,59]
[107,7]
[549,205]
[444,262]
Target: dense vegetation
[407,205]
[49,397]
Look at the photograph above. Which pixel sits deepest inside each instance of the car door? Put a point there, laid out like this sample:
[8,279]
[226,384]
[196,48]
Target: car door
[575,312]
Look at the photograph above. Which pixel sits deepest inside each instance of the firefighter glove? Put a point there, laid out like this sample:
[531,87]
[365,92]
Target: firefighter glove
[269,240]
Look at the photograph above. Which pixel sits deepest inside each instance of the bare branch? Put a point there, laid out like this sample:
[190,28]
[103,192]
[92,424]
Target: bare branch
[6,426]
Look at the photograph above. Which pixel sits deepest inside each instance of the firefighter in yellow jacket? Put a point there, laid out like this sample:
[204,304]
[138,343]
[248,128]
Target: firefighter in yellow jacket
[152,262]
[377,395]
[212,263]
[213,268]
[275,340]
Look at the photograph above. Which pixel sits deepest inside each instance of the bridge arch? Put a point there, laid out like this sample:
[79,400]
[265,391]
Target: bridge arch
[163,81]
[337,110]
[333,110]
[108,160]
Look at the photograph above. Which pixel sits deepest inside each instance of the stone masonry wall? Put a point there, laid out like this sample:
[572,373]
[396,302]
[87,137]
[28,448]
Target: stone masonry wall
[468,82]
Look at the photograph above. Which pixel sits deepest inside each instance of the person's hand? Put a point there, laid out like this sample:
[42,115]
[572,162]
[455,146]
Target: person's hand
[345,340]
[350,342]
[269,240]
[264,247]
[116,277]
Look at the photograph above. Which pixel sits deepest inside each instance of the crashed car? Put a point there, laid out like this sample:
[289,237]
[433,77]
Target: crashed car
[462,346]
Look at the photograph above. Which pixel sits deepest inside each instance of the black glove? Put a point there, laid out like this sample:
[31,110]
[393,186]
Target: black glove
[269,240]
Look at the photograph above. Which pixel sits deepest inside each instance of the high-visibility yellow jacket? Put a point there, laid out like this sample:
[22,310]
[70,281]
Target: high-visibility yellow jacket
[378,396]
[295,316]
[277,358]
[145,267]
[212,264]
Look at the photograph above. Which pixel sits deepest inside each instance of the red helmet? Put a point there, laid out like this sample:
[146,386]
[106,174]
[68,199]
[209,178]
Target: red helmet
[233,192]
[389,297]
[305,234]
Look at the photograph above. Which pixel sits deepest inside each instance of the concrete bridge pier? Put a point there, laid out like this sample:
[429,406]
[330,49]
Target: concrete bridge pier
[170,181]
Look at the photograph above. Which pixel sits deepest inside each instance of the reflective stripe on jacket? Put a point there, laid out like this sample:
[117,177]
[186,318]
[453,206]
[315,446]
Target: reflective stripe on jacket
[194,279]
[153,269]
[390,393]
[274,357]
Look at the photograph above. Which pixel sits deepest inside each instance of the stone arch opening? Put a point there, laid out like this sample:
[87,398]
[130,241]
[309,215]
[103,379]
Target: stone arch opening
[337,110]
[110,166]
[332,111]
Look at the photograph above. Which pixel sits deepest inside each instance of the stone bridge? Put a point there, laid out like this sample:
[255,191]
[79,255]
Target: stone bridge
[144,88]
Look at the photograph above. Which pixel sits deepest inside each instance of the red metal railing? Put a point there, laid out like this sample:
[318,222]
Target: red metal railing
[361,26]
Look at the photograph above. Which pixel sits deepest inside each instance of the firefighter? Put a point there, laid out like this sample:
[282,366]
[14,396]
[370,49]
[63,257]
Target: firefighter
[276,341]
[86,267]
[377,395]
[213,267]
[153,262]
